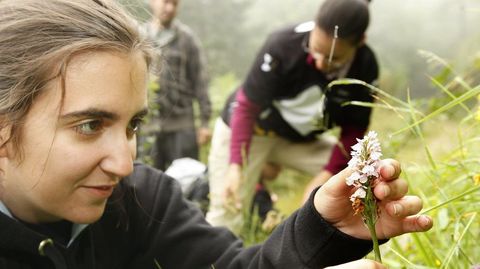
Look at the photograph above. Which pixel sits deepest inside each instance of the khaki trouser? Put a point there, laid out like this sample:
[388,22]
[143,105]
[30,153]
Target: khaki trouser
[305,157]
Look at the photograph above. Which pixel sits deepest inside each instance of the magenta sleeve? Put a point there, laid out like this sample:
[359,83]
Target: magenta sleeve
[242,124]
[348,138]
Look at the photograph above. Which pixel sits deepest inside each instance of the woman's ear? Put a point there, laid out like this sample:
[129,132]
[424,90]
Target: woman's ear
[5,135]
[362,41]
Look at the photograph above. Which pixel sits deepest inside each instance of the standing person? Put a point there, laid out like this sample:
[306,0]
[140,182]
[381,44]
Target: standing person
[72,97]
[182,80]
[282,109]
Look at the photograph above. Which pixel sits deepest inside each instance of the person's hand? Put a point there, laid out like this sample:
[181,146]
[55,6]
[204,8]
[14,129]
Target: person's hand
[234,179]
[318,180]
[270,171]
[397,210]
[359,264]
[203,135]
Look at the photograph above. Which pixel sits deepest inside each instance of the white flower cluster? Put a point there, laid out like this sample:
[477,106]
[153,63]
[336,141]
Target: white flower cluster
[365,162]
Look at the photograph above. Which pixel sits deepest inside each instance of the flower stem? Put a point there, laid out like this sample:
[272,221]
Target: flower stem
[376,248]
[370,218]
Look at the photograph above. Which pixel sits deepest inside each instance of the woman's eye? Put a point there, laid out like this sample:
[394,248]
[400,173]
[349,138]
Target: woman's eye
[89,128]
[134,126]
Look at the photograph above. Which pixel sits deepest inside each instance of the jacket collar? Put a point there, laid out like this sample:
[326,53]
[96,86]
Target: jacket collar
[18,237]
[76,228]
[4,210]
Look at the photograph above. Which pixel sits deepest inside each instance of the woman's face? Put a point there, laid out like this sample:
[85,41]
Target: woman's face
[76,151]
[320,46]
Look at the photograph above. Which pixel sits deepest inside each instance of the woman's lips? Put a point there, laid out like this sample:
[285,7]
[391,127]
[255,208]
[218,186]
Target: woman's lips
[103,191]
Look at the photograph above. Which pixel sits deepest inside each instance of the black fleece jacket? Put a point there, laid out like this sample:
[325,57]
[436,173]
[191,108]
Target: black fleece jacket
[148,224]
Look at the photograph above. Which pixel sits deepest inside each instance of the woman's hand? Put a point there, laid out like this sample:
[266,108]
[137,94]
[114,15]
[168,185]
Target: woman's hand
[234,179]
[397,210]
[203,136]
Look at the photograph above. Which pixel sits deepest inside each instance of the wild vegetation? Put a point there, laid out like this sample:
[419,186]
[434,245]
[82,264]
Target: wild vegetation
[440,152]
[426,113]
[437,141]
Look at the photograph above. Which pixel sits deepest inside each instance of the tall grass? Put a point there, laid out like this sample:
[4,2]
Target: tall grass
[443,170]
[438,144]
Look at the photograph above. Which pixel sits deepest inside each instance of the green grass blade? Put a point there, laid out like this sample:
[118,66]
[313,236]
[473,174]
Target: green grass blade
[474,92]
[457,244]
[449,93]
[427,256]
[349,81]
[451,200]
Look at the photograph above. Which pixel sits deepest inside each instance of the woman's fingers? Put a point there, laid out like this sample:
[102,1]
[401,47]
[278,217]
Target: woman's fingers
[419,223]
[389,187]
[404,207]
[391,190]
[390,169]
[399,217]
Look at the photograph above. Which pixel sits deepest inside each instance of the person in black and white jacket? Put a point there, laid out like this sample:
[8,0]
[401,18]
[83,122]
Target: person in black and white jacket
[281,112]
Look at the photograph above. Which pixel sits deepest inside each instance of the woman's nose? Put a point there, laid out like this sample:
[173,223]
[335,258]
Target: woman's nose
[119,157]
[320,62]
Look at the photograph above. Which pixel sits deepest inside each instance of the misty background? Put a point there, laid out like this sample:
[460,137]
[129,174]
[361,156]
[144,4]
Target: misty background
[231,32]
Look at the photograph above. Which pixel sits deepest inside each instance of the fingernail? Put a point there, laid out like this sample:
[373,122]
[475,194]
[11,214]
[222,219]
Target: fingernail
[390,170]
[424,221]
[386,191]
[397,209]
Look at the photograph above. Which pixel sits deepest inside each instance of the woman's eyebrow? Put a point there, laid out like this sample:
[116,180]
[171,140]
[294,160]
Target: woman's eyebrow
[98,113]
[142,113]
[89,113]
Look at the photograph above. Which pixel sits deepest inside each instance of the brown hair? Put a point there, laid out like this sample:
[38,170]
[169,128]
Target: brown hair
[37,39]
